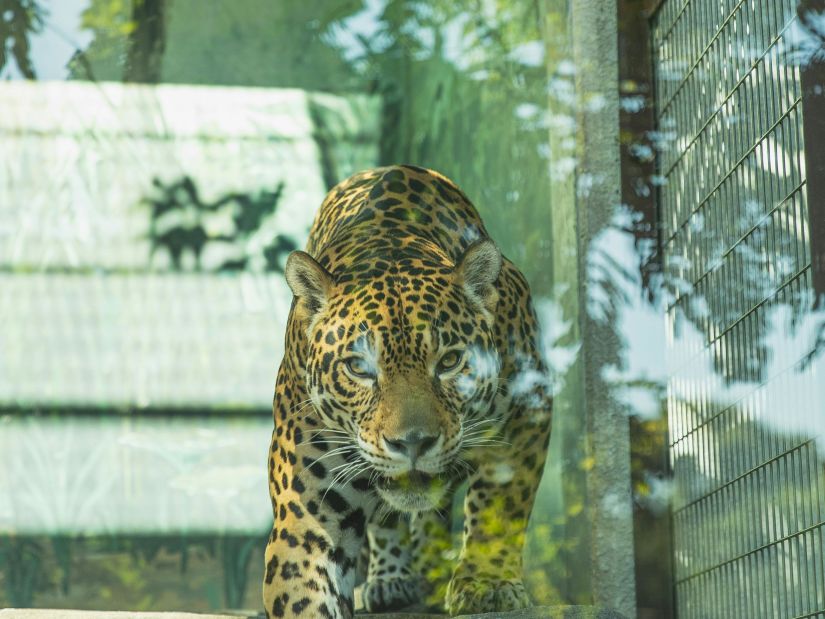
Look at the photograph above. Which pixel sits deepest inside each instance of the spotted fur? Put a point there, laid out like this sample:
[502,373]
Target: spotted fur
[411,363]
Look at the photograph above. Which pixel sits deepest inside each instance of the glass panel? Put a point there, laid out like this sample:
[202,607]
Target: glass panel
[652,167]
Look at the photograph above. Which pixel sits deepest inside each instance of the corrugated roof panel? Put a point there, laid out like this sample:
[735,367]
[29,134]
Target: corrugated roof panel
[100,185]
[141,340]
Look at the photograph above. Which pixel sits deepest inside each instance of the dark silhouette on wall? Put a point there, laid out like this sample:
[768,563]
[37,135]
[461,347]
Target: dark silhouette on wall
[187,233]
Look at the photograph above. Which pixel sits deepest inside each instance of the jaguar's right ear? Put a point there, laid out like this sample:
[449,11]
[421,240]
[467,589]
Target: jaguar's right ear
[310,283]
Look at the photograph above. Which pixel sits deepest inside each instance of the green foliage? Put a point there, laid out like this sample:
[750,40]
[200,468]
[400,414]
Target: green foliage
[22,563]
[464,93]
[110,22]
[139,572]
[233,43]
[236,552]
[258,43]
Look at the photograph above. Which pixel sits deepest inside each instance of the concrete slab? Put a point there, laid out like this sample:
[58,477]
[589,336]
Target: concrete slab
[537,612]
[39,613]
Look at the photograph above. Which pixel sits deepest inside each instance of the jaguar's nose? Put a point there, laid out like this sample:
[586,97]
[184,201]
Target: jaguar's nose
[412,445]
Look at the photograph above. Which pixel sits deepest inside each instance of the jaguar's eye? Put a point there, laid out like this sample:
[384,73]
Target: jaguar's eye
[359,368]
[449,361]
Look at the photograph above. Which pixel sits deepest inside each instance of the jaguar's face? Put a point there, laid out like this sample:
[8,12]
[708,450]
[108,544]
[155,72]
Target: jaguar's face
[403,367]
[403,393]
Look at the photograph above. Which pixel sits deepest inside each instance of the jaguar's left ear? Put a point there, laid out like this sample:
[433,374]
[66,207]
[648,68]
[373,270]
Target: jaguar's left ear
[310,283]
[477,271]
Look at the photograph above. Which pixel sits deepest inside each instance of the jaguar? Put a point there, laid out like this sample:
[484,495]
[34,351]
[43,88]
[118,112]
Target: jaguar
[412,364]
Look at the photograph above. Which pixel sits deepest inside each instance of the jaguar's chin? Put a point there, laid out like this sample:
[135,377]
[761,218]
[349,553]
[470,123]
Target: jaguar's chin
[411,492]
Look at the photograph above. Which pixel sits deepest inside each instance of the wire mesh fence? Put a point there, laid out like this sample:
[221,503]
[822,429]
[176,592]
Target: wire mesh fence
[744,400]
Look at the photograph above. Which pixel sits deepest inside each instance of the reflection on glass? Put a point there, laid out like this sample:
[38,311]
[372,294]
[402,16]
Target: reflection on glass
[654,170]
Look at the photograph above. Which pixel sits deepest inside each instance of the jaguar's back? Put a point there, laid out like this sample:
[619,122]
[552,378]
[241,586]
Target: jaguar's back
[391,210]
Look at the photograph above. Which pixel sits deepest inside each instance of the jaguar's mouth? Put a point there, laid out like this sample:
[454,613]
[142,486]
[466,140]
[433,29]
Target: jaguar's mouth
[413,491]
[412,480]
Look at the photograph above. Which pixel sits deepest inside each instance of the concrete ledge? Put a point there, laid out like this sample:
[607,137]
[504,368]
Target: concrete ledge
[38,613]
[537,612]
[553,612]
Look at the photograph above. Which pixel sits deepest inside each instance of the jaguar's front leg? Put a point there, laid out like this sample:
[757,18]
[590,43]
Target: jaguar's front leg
[319,529]
[391,583]
[409,559]
[500,496]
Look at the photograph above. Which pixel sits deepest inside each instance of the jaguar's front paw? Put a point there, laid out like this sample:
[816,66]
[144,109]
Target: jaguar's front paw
[385,594]
[467,595]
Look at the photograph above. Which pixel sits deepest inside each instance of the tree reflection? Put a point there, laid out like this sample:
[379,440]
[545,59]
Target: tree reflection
[187,572]
[19,21]
[147,41]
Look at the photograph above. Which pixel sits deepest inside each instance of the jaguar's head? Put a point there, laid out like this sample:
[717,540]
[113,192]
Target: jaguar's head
[401,363]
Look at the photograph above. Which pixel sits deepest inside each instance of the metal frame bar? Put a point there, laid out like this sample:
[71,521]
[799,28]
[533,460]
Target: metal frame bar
[813,106]
[637,124]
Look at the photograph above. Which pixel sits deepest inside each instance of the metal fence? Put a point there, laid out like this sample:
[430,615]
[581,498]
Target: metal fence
[745,396]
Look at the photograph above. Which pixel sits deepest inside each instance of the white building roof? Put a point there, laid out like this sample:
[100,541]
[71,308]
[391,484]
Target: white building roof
[87,318]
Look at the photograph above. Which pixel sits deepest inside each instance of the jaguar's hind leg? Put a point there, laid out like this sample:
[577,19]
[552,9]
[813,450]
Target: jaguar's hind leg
[433,554]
